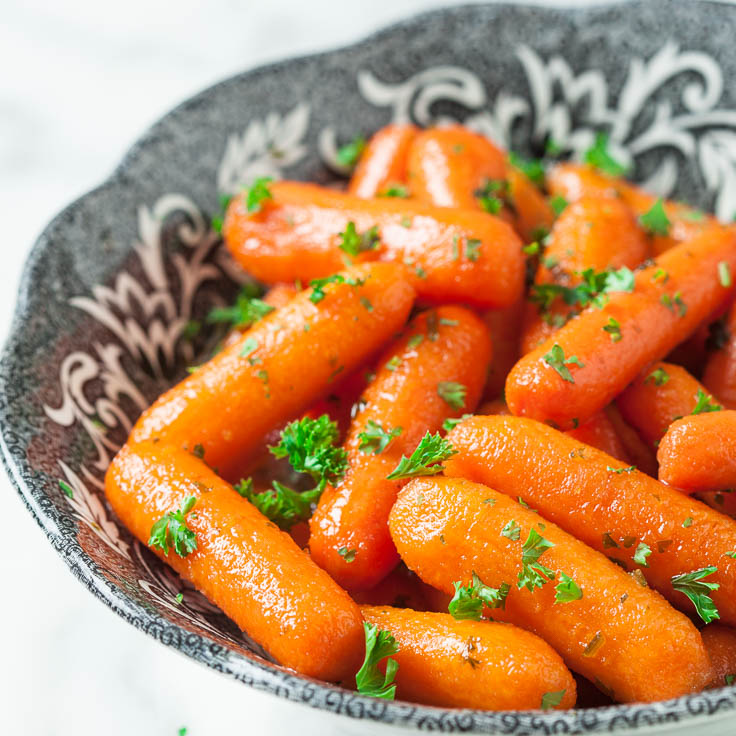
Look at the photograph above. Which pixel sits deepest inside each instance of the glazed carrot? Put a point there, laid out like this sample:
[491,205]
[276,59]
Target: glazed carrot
[446,166]
[610,507]
[720,369]
[590,365]
[401,588]
[503,327]
[600,433]
[454,254]
[573,181]
[607,626]
[383,162]
[435,370]
[530,211]
[243,563]
[720,643]
[594,232]
[471,664]
[638,452]
[281,365]
[698,453]
[661,393]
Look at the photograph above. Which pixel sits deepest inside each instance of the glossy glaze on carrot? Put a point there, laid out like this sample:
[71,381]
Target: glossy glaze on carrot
[616,632]
[279,367]
[243,563]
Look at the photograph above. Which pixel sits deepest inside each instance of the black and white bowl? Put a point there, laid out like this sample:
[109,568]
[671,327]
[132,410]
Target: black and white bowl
[114,280]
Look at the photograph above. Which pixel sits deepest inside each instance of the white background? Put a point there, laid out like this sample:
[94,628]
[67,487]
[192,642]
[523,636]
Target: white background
[79,82]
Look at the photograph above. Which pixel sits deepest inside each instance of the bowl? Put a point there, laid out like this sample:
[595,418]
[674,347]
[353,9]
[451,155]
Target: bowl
[111,287]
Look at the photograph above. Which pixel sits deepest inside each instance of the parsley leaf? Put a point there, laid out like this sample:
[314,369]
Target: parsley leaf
[452,393]
[512,530]
[591,289]
[567,590]
[348,554]
[599,157]
[659,377]
[724,274]
[172,530]
[425,460]
[248,308]
[318,285]
[258,193]
[354,243]
[704,403]
[309,444]
[472,249]
[550,700]
[468,601]
[397,190]
[613,328]
[532,168]
[68,491]
[349,154]
[451,422]
[379,644]
[374,438]
[557,360]
[282,505]
[533,573]
[698,591]
[558,204]
[492,195]
[655,220]
[642,552]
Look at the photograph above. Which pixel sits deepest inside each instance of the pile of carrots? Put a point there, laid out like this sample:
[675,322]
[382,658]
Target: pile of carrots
[480,432]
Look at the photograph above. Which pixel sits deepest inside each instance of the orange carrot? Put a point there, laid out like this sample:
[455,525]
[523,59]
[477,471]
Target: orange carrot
[434,371]
[243,563]
[660,394]
[447,165]
[698,453]
[401,588]
[604,623]
[638,452]
[503,326]
[594,232]
[454,254]
[383,162]
[471,664]
[590,360]
[720,643]
[530,213]
[573,181]
[720,370]
[610,507]
[280,366]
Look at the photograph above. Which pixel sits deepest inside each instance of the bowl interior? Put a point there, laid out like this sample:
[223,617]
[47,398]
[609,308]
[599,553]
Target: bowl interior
[116,284]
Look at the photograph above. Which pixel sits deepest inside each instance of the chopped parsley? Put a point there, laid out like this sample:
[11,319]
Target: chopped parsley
[558,204]
[397,190]
[674,301]
[659,377]
[532,168]
[613,328]
[374,438]
[698,591]
[349,154]
[249,345]
[280,504]
[347,554]
[472,249]
[567,590]
[171,530]
[427,459]
[468,601]
[655,220]
[451,422]
[379,645]
[452,393]
[724,274]
[248,308]
[394,363]
[688,522]
[318,285]
[704,403]
[66,488]
[354,243]
[619,471]
[551,700]
[642,552]
[491,195]
[512,530]
[557,360]
[534,574]
[258,193]
[592,289]
[599,157]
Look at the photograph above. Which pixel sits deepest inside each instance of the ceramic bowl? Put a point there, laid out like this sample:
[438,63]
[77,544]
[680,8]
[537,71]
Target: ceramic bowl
[114,280]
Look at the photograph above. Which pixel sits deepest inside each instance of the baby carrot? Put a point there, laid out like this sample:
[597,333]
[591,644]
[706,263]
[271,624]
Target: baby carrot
[242,562]
[472,664]
[503,327]
[281,365]
[630,517]
[661,393]
[435,370]
[698,453]
[573,181]
[720,643]
[602,621]
[720,369]
[448,165]
[305,232]
[590,360]
[382,165]
[596,233]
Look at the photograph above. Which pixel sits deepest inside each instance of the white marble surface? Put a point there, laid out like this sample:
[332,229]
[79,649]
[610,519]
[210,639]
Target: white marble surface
[80,81]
